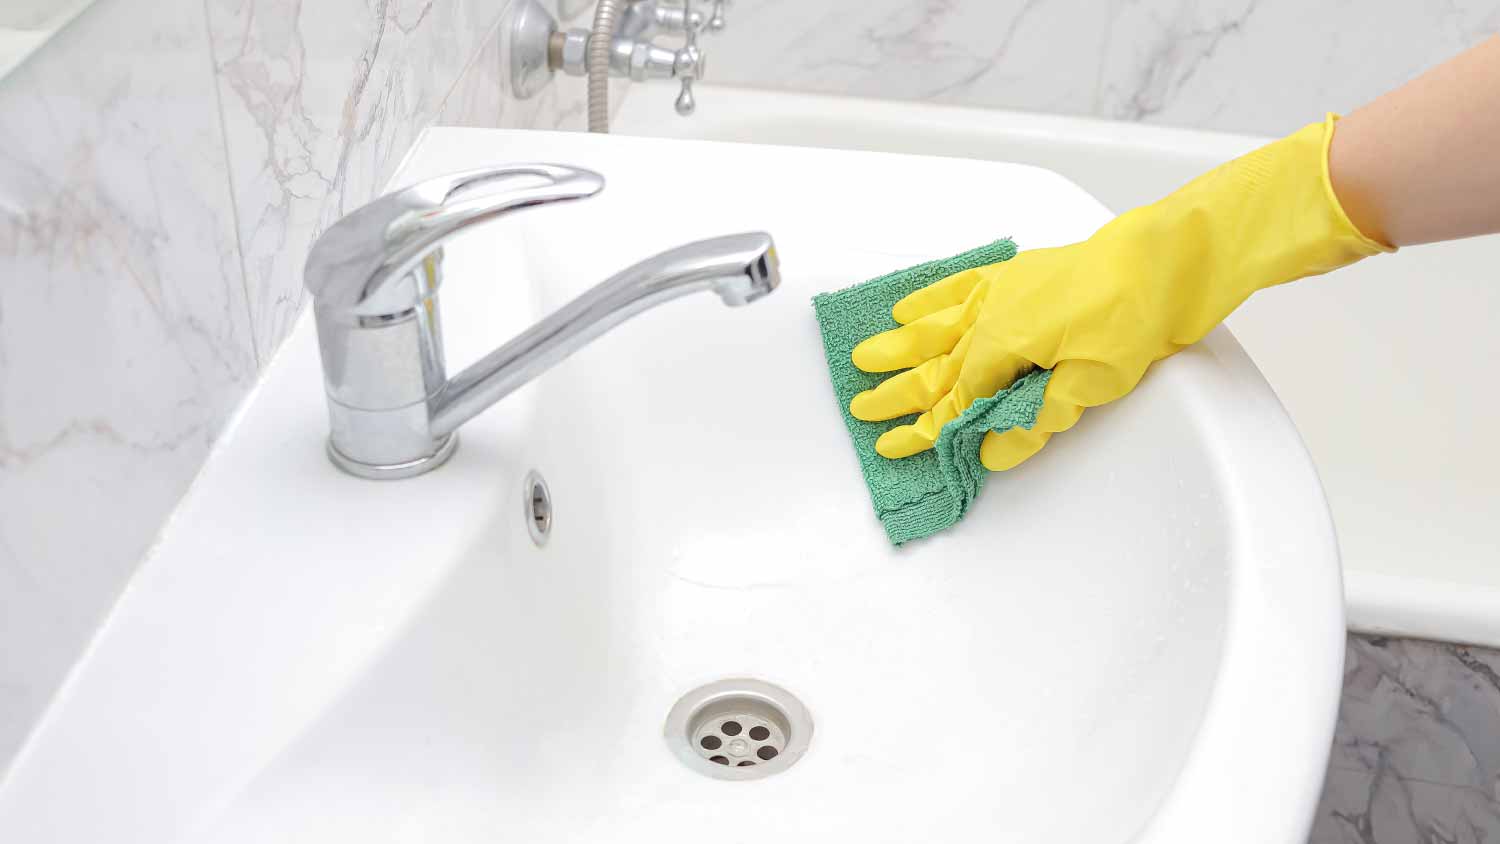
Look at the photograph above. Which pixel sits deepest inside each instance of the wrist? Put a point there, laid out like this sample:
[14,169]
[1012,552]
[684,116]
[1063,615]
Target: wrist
[1347,171]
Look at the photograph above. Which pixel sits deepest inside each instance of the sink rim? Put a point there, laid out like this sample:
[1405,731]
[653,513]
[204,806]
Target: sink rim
[1226,781]
[1224,777]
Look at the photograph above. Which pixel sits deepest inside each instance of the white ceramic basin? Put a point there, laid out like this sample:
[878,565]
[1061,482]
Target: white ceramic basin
[1416,526]
[1135,636]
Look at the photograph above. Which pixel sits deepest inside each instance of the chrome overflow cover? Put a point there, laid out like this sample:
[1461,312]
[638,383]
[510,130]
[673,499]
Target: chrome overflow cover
[537,501]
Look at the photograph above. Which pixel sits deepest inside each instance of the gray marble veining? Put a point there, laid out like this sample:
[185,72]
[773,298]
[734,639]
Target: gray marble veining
[124,336]
[1259,66]
[1416,757]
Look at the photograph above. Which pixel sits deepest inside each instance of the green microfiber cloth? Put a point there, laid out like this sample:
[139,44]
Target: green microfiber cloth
[920,495]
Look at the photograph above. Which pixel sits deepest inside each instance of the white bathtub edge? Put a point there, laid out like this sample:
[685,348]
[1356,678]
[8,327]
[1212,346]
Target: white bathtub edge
[1410,607]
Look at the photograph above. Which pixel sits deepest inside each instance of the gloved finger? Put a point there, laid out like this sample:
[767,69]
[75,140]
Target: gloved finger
[1009,449]
[919,436]
[912,344]
[1090,383]
[1060,411]
[943,293]
[914,390]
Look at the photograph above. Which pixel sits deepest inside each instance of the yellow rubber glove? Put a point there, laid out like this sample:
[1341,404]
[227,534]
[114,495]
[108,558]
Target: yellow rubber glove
[1098,313]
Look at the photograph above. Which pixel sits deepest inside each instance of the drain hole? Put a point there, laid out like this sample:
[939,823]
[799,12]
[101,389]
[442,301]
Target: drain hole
[724,727]
[538,502]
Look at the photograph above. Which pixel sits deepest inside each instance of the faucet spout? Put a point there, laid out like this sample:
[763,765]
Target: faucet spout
[740,268]
[374,277]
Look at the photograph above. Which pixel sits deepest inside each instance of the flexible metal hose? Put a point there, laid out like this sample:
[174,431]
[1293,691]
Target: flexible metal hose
[601,43]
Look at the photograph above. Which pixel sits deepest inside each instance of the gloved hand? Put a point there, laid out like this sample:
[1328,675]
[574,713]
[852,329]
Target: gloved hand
[1098,313]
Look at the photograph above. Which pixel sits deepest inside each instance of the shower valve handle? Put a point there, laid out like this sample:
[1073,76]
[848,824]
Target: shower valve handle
[716,21]
[689,67]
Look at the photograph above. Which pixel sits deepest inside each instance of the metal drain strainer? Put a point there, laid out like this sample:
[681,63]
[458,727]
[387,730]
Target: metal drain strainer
[739,729]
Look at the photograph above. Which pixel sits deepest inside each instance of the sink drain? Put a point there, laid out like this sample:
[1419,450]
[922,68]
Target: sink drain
[739,729]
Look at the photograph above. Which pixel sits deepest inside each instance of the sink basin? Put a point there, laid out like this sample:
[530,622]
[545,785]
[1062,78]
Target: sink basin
[1135,636]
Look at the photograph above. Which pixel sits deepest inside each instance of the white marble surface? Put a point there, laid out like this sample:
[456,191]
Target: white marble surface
[124,338]
[1262,66]
[163,167]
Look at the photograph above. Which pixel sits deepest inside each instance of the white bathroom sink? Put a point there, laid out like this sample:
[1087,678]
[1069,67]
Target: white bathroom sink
[1134,637]
[1416,525]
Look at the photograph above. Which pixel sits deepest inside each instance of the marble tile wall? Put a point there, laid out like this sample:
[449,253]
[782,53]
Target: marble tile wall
[124,338]
[163,167]
[1259,66]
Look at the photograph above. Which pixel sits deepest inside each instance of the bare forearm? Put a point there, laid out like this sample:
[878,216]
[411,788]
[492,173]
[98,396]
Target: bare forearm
[1422,163]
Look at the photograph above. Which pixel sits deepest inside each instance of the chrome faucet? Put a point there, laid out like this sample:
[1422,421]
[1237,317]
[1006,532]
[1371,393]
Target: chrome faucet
[374,278]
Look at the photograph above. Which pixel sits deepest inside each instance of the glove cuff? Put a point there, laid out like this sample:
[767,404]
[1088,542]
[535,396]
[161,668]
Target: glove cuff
[1366,244]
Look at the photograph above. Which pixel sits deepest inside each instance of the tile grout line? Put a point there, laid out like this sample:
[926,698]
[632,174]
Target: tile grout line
[234,205]
[473,60]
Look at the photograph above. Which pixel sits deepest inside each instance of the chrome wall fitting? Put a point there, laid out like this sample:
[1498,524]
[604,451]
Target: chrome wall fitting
[538,48]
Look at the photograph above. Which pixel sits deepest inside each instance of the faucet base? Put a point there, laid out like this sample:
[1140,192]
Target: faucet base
[394,471]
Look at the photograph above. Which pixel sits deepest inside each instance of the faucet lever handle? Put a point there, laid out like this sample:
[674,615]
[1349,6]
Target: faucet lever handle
[716,21]
[686,103]
[353,263]
[458,199]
